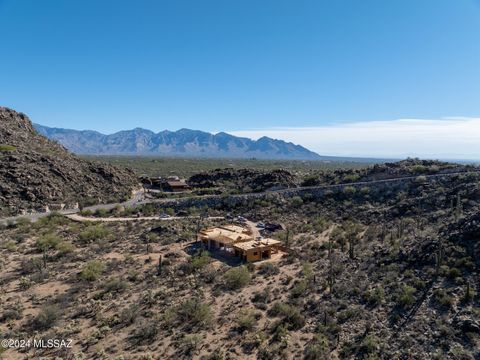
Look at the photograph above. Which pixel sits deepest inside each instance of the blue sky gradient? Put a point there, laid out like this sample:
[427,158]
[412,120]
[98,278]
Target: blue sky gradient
[238,65]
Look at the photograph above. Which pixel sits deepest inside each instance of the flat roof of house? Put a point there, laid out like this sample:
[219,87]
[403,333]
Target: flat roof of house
[176,183]
[225,234]
[235,228]
[256,244]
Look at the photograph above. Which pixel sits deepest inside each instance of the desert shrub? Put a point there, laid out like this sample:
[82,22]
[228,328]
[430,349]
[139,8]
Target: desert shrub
[93,233]
[145,332]
[51,221]
[10,245]
[349,313]
[86,212]
[442,298]
[25,283]
[12,312]
[421,179]
[406,297]
[317,349]
[369,345]
[375,297]
[216,355]
[47,317]
[115,285]
[291,316]
[269,269]
[48,242]
[307,271]
[349,190]
[101,212]
[296,201]
[454,273]
[7,148]
[246,320]
[263,296]
[237,278]
[129,314]
[31,265]
[65,248]
[189,344]
[300,288]
[194,312]
[92,270]
[200,260]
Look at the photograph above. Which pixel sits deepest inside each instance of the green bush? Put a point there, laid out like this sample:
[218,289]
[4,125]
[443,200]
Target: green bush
[31,265]
[194,312]
[317,349]
[200,260]
[300,288]
[442,298]
[5,148]
[269,269]
[47,317]
[246,321]
[375,297]
[237,278]
[65,248]
[92,270]
[128,315]
[101,213]
[189,344]
[291,316]
[93,233]
[115,285]
[48,242]
[86,212]
[406,297]
[349,190]
[369,345]
[454,273]
[145,332]
[296,201]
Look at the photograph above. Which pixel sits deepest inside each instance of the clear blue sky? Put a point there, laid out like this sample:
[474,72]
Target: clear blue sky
[238,64]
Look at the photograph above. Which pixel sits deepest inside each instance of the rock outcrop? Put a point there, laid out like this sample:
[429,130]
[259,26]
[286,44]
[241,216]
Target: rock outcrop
[36,172]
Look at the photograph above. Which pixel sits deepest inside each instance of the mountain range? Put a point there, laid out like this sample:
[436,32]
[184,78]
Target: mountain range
[184,142]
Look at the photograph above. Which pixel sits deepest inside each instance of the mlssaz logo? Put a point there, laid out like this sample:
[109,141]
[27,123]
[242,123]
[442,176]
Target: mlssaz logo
[51,343]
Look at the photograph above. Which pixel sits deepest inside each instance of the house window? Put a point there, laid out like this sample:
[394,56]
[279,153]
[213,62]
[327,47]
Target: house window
[255,253]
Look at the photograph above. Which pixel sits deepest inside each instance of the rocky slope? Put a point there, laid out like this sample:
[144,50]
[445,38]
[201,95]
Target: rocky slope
[245,180]
[184,142]
[36,172]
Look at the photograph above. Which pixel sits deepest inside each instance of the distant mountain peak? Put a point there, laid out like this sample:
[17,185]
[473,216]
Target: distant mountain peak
[183,142]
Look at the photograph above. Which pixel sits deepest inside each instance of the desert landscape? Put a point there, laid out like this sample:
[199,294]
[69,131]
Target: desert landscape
[239,180]
[376,261]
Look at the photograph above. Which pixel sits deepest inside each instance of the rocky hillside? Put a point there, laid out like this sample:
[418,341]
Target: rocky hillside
[184,142]
[36,172]
[380,273]
[244,180]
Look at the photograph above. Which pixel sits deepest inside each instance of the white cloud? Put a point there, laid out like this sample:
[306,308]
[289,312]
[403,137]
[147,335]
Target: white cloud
[451,138]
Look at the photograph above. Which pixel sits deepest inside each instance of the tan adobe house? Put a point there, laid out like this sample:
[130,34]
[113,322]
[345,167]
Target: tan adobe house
[238,241]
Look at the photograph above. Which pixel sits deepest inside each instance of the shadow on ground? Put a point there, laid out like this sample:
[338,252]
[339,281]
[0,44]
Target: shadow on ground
[226,258]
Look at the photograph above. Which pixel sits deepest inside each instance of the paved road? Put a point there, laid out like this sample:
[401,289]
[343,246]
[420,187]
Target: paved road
[138,197]
[79,218]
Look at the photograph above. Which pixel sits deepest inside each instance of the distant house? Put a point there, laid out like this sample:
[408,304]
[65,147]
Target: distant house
[176,185]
